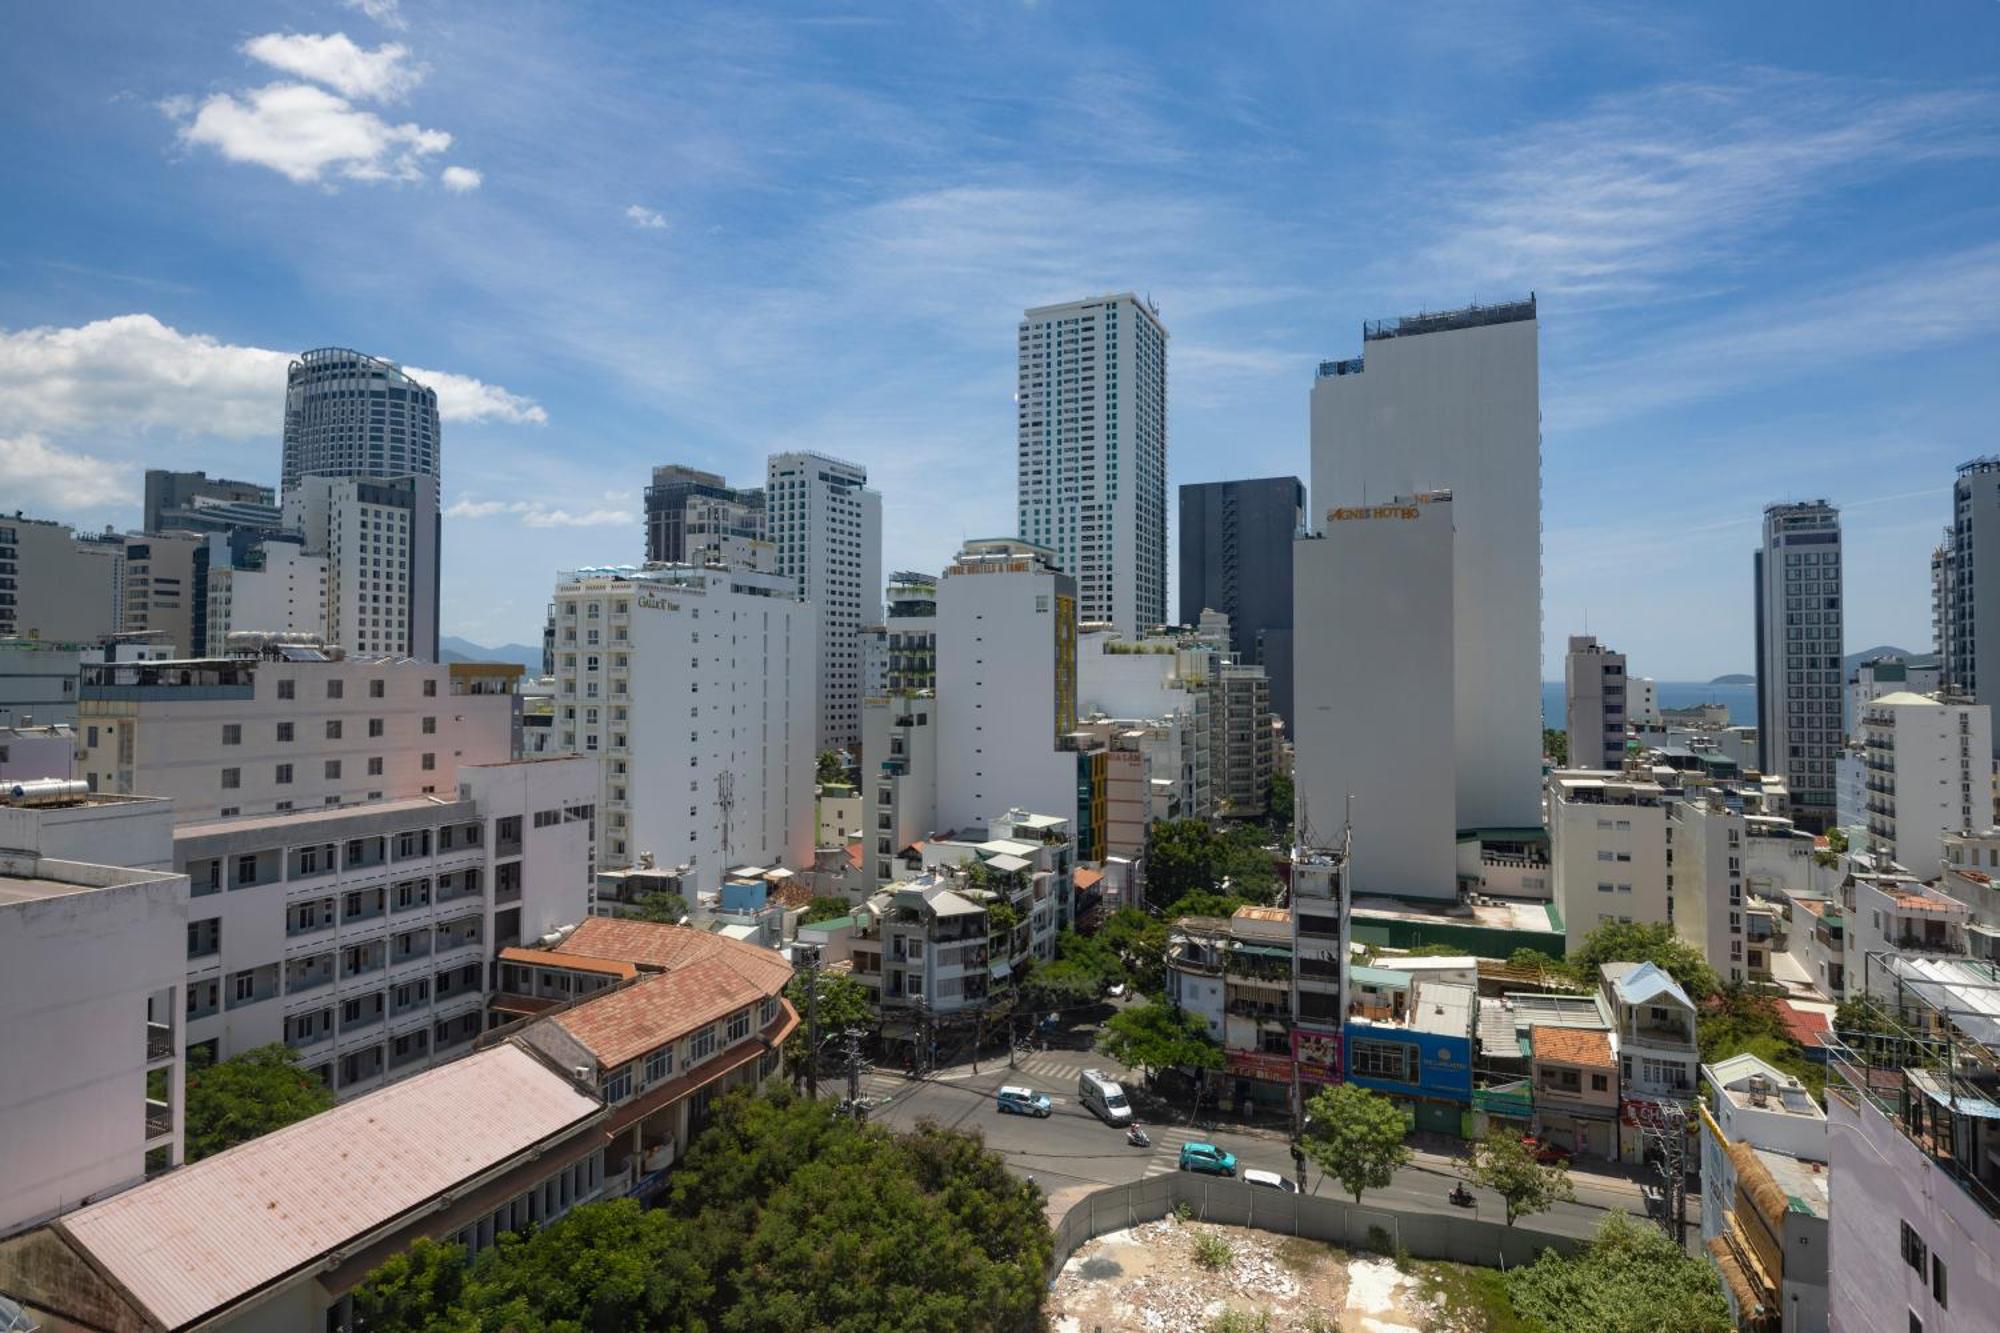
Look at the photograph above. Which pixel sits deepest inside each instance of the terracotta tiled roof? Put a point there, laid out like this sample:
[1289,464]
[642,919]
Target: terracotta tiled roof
[1573,1046]
[1089,879]
[854,855]
[646,1015]
[1807,1027]
[573,962]
[653,947]
[1917,902]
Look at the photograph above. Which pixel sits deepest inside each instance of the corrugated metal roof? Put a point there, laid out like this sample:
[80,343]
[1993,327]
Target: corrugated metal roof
[209,1234]
[1444,1009]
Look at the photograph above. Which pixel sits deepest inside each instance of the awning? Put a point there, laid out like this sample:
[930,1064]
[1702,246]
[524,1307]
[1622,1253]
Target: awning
[1926,1082]
[1000,970]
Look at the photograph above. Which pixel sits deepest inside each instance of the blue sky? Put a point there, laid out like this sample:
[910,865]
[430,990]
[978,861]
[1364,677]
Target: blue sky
[1766,240]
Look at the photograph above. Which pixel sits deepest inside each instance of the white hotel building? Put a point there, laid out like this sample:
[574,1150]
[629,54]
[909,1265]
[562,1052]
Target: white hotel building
[695,689]
[827,526]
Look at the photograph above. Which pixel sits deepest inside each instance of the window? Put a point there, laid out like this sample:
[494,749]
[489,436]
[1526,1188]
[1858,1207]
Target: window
[739,1025]
[1599,1082]
[374,726]
[701,1045]
[284,774]
[1383,1059]
[332,769]
[333,729]
[430,762]
[284,733]
[232,778]
[285,689]
[335,689]
[1915,1253]
[375,689]
[430,726]
[659,1064]
[232,733]
[375,767]
[1937,1283]
[619,1086]
[430,689]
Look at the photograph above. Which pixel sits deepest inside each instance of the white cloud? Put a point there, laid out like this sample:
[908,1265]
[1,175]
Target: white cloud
[463,398]
[644,218]
[384,12]
[48,478]
[461,180]
[303,132]
[132,374]
[1612,204]
[540,514]
[384,74]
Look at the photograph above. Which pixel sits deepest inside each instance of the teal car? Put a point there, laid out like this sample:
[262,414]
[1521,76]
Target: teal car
[1206,1157]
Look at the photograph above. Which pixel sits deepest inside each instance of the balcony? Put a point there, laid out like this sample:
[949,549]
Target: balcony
[159,1119]
[159,1042]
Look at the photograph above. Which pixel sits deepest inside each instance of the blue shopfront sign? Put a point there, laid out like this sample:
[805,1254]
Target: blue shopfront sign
[1409,1064]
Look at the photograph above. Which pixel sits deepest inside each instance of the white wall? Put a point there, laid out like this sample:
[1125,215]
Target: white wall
[1372,679]
[132,831]
[998,695]
[1586,843]
[38,685]
[287,594]
[1880,1181]
[1459,410]
[1942,777]
[76,972]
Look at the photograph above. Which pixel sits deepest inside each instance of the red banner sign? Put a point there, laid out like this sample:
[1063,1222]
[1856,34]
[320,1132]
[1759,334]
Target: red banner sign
[1256,1064]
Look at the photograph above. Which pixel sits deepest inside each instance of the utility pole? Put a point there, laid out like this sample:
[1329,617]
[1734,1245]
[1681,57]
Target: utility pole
[1665,1130]
[812,1026]
[853,1055]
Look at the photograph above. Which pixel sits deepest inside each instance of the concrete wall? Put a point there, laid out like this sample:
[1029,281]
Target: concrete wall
[1460,1239]
[1376,591]
[1457,410]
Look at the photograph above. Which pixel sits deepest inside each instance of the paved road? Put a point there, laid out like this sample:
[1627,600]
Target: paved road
[1073,1149]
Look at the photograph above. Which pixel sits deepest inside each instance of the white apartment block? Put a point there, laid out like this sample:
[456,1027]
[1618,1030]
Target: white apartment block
[56,585]
[287,595]
[1244,745]
[1377,747]
[1006,691]
[1929,773]
[288,730]
[696,689]
[1607,850]
[1965,607]
[1091,462]
[1800,686]
[900,779]
[1451,401]
[90,1028]
[827,526]
[1891,913]
[1643,700]
[379,536]
[1889,675]
[362,937]
[1706,881]
[1594,699]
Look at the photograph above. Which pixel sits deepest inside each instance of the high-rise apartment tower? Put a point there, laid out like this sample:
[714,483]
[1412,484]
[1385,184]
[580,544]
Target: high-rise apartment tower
[1092,456]
[1800,689]
[827,526]
[348,414]
[1236,558]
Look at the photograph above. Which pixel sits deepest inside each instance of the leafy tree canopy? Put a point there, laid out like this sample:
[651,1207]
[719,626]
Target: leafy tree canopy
[1281,799]
[1140,941]
[825,909]
[1355,1136]
[1507,1166]
[832,768]
[1741,1019]
[1155,1036]
[783,1216]
[1555,744]
[239,1099]
[1644,942]
[1630,1279]
[667,908]
[1186,856]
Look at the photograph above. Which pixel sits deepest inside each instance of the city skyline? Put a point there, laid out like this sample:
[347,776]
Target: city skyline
[1787,294]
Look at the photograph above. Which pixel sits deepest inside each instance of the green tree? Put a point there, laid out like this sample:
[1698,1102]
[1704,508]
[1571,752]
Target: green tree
[1630,1279]
[843,1003]
[1644,942]
[249,1095]
[1743,1019]
[1355,1135]
[1140,941]
[1154,1036]
[1507,1166]
[663,906]
[825,909]
[1181,856]
[1555,744]
[1203,902]
[1282,800]
[832,768]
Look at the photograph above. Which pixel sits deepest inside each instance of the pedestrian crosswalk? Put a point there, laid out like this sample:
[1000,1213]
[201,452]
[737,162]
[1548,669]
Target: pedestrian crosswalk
[1167,1141]
[1064,1067]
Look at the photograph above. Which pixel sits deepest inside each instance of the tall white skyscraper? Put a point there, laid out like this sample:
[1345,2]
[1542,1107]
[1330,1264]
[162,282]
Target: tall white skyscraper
[1092,457]
[1452,402]
[1800,680]
[379,537]
[827,526]
[348,414]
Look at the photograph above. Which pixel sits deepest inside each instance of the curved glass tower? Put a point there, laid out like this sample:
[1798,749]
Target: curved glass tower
[348,414]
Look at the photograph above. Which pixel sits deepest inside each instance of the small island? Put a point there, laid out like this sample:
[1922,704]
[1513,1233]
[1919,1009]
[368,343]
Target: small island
[1734,678]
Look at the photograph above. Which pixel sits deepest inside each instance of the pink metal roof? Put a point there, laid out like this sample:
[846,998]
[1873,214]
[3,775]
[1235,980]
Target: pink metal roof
[199,1238]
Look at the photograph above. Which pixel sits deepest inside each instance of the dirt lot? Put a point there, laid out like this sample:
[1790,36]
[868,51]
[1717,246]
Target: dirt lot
[1152,1278]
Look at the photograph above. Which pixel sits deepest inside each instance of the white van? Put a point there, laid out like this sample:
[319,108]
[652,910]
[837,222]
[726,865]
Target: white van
[1101,1093]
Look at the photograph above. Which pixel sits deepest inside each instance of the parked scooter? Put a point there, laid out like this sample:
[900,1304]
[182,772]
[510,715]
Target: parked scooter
[1137,1138]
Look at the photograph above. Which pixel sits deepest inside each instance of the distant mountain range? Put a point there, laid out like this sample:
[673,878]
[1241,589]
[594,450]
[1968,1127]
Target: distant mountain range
[454,649]
[1847,666]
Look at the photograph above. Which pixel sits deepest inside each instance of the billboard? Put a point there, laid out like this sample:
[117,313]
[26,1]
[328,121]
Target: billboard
[1317,1053]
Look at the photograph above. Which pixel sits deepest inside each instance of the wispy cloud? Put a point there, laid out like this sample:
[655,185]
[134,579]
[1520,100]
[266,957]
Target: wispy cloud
[1606,206]
[384,74]
[388,13]
[37,473]
[133,374]
[644,218]
[460,180]
[541,514]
